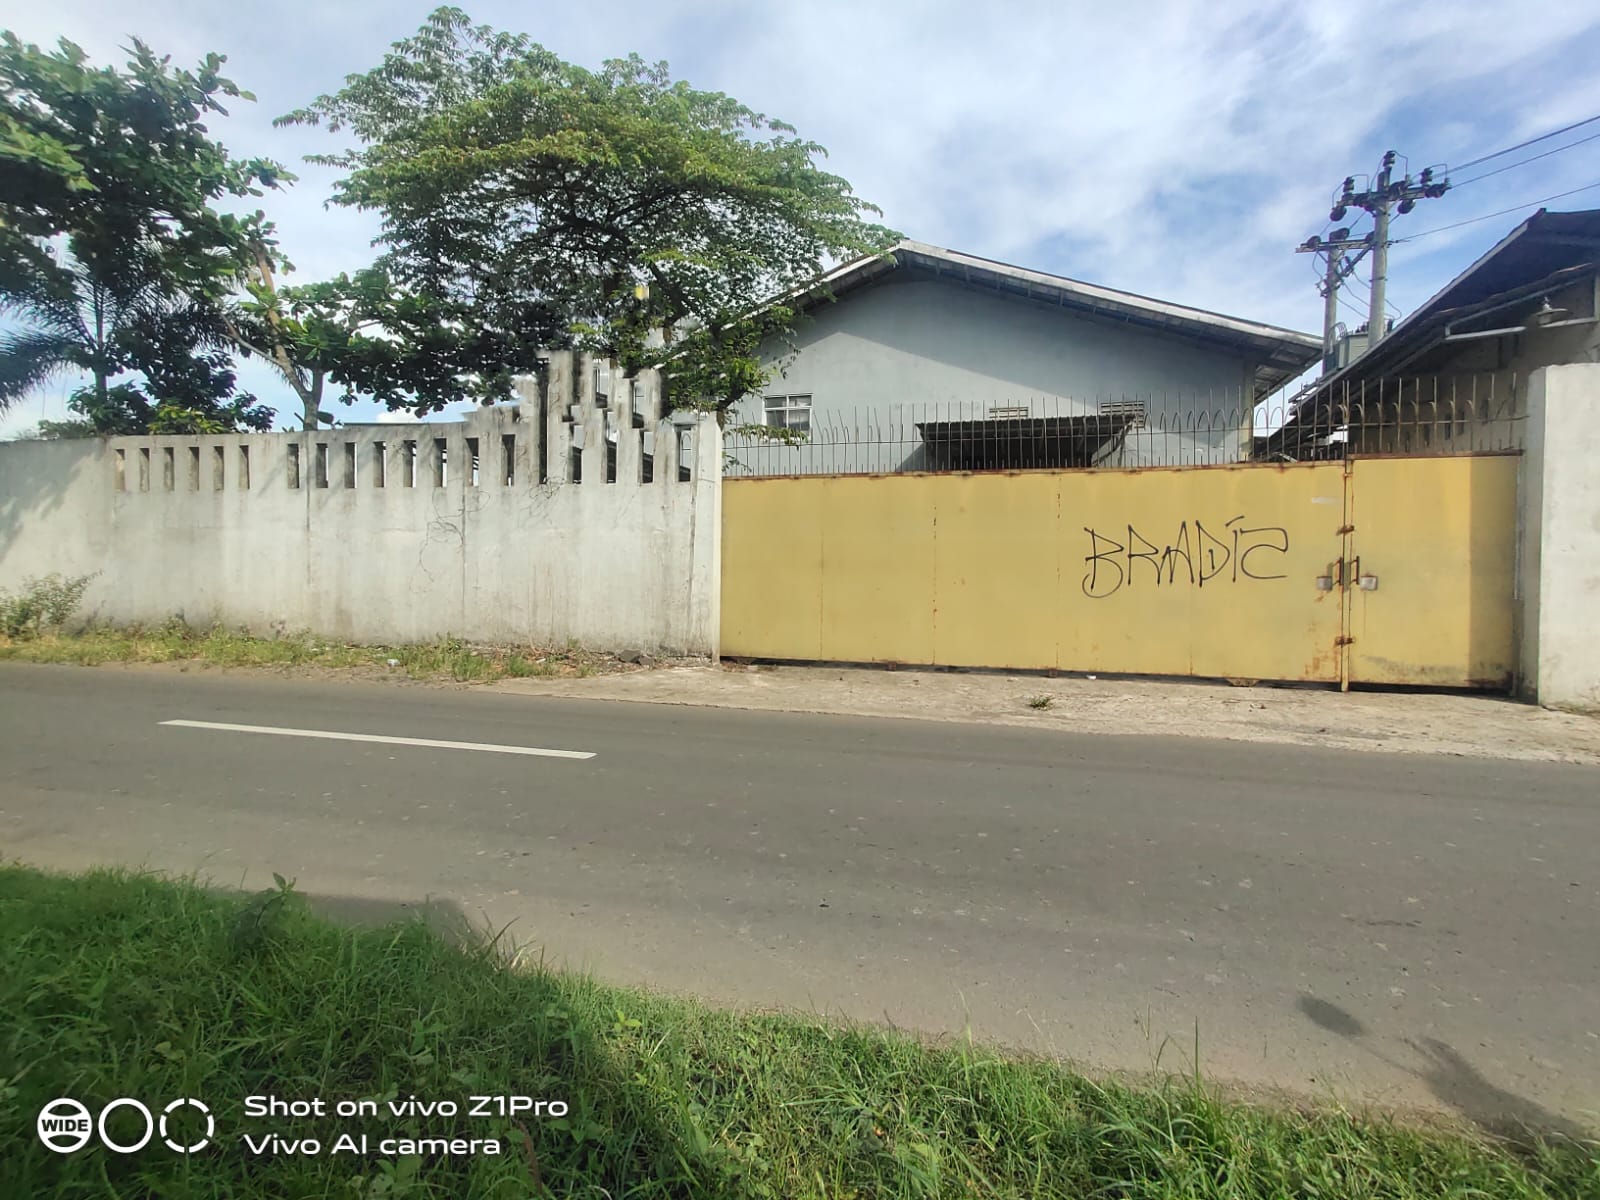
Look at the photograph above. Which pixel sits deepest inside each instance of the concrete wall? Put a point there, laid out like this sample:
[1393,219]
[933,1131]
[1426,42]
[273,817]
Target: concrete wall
[913,347]
[1559,576]
[368,533]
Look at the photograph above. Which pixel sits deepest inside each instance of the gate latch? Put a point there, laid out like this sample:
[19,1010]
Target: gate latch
[1339,571]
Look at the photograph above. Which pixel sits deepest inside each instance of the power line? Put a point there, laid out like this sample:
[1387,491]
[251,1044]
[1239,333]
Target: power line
[1366,308]
[1502,212]
[1543,137]
[1524,162]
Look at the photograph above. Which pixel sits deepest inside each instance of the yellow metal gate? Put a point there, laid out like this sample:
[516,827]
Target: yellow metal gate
[1255,571]
[1430,573]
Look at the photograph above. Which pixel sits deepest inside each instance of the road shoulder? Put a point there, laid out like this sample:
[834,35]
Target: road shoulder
[1393,722]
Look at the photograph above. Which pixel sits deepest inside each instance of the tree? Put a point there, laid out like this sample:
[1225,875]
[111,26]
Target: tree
[118,166]
[71,319]
[115,159]
[124,319]
[124,409]
[369,336]
[611,210]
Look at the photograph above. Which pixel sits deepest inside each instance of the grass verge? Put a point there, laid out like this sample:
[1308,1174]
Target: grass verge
[447,658]
[119,985]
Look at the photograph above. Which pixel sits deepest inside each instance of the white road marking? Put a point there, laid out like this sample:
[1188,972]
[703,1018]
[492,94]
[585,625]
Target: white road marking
[432,743]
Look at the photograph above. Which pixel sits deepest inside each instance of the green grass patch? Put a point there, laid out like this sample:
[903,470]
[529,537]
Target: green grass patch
[119,985]
[446,658]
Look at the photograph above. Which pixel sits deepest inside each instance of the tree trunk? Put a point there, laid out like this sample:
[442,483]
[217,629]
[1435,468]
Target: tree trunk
[312,416]
[102,376]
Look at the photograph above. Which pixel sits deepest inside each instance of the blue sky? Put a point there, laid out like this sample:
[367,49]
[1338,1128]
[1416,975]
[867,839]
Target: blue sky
[1180,150]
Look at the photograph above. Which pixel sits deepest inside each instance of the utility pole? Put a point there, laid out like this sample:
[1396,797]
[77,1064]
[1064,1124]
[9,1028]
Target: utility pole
[1330,308]
[1339,267]
[1384,195]
[1377,315]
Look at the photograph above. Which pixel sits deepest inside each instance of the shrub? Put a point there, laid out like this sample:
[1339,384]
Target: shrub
[42,605]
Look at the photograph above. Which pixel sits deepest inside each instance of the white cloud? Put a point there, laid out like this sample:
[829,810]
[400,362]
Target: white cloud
[1179,149]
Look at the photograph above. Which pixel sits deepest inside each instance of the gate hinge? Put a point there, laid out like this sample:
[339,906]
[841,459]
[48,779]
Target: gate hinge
[1343,529]
[1343,641]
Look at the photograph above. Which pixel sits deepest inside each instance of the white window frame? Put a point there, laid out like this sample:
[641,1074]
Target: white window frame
[779,412]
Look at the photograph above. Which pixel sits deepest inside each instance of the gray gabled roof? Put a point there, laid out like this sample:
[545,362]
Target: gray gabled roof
[1281,354]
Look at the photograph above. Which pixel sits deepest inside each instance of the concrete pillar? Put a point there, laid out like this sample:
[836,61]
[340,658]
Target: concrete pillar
[529,430]
[558,402]
[592,419]
[1559,525]
[705,577]
[630,447]
[1246,448]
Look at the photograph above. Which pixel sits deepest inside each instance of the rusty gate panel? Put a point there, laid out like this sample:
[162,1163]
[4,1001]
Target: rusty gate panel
[1215,571]
[997,574]
[772,568]
[877,566]
[1431,572]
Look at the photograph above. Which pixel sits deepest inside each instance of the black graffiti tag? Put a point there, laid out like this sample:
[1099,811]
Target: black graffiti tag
[1093,586]
[1205,557]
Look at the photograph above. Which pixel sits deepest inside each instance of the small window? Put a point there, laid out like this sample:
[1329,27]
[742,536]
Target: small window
[788,412]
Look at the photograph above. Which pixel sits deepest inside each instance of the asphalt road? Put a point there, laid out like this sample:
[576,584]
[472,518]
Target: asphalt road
[1405,930]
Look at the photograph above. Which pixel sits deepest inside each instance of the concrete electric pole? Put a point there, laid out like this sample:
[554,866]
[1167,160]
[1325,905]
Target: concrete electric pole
[1380,199]
[1338,269]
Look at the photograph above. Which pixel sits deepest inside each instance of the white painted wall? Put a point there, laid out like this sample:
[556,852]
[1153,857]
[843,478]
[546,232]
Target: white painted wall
[1559,575]
[620,565]
[913,347]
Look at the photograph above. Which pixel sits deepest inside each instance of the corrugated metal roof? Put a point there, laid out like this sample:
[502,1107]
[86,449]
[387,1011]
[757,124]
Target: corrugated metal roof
[1544,245]
[1543,252]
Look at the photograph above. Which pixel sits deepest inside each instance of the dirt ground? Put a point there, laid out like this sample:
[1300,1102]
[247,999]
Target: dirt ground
[1397,722]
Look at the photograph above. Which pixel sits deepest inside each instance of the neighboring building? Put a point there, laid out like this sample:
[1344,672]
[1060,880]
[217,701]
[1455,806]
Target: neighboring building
[930,359]
[1452,376]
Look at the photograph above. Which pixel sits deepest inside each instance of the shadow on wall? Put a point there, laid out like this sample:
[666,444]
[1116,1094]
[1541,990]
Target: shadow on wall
[1454,1081]
[38,479]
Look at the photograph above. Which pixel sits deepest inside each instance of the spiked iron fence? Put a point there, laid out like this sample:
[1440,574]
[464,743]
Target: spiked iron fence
[1422,415]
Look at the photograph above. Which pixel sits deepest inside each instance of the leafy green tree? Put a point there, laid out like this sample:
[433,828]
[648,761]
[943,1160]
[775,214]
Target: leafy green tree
[367,335]
[126,410]
[616,210]
[114,159]
[118,167]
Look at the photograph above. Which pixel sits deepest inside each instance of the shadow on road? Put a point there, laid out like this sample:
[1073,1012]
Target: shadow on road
[444,917]
[1458,1083]
[1455,1082]
[1330,1017]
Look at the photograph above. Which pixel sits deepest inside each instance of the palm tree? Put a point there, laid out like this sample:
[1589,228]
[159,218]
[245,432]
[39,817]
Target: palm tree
[76,315]
[71,318]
